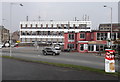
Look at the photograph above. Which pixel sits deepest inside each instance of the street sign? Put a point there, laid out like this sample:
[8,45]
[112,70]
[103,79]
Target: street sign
[109,43]
[109,60]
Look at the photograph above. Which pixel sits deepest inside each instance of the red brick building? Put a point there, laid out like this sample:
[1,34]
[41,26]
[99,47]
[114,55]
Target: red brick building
[89,41]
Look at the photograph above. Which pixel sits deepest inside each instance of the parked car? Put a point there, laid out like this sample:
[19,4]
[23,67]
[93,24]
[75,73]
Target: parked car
[1,45]
[57,47]
[14,45]
[68,50]
[52,51]
[7,44]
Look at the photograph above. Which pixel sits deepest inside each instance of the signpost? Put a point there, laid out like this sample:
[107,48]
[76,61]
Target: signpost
[109,60]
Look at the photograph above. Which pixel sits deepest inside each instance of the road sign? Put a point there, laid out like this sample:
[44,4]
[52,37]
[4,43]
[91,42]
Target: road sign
[109,43]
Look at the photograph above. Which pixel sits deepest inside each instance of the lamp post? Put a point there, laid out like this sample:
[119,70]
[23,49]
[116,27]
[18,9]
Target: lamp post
[11,25]
[111,22]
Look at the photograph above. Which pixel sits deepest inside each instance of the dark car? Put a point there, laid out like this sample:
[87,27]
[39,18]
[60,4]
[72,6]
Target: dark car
[52,51]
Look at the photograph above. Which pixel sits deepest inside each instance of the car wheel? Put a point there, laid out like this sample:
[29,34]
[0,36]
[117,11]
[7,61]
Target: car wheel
[54,54]
[44,53]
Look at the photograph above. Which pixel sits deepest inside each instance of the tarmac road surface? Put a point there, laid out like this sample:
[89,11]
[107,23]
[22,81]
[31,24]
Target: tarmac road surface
[20,70]
[75,58]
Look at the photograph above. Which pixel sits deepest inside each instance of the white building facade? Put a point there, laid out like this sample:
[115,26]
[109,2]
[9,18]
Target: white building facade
[50,31]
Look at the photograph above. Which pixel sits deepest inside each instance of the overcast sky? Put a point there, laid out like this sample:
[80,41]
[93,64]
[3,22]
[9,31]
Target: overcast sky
[58,11]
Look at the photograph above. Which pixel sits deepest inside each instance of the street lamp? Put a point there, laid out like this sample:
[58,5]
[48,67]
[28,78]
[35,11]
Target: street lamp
[111,23]
[11,24]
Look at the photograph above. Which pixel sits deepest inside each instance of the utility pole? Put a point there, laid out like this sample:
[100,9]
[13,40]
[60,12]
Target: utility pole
[111,23]
[11,4]
[39,18]
[75,19]
[26,18]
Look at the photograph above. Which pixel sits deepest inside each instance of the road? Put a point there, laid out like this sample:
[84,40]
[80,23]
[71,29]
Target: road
[21,70]
[75,58]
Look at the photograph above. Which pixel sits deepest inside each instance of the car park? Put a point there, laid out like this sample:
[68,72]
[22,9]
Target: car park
[51,51]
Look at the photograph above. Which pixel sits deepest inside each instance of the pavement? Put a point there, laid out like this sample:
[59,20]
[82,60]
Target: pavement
[21,70]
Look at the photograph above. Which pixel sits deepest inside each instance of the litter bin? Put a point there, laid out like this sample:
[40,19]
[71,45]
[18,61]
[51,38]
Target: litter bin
[110,60]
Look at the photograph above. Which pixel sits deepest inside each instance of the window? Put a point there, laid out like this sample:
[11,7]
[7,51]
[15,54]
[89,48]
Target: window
[33,32]
[41,25]
[101,47]
[101,28]
[71,36]
[82,26]
[97,47]
[114,36]
[82,35]
[48,32]
[30,25]
[21,25]
[36,25]
[38,32]
[71,46]
[81,47]
[27,33]
[118,35]
[101,36]
[25,25]
[22,33]
[98,36]
[90,47]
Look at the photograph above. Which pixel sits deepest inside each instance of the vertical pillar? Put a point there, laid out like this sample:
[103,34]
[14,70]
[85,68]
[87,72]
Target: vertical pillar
[57,40]
[108,36]
[94,47]
[86,47]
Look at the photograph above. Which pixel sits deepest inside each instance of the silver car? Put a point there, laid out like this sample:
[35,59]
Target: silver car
[52,51]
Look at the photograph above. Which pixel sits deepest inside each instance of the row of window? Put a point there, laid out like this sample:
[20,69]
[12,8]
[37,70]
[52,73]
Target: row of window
[100,36]
[104,36]
[90,47]
[58,25]
[55,27]
[109,25]
[71,36]
[42,40]
[42,33]
[105,28]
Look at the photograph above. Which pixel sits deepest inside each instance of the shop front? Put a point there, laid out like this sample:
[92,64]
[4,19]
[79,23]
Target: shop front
[91,46]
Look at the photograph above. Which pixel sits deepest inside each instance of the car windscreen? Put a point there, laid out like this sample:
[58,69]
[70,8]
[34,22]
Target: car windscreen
[56,49]
[48,49]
